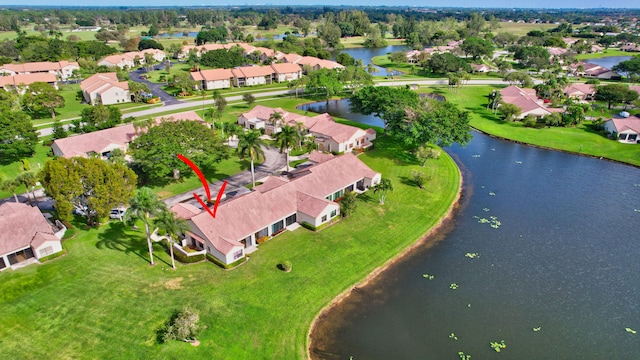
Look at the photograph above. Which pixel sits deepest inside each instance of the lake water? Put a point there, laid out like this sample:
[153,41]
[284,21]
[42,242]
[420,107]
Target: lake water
[177,35]
[543,250]
[341,108]
[609,62]
[365,54]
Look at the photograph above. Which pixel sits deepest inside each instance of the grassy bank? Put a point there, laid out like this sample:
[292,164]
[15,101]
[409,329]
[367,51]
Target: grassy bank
[582,139]
[102,300]
[604,53]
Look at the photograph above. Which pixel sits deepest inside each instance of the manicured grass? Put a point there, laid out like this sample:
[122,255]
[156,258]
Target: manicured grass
[102,300]
[580,139]
[604,53]
[12,170]
[521,29]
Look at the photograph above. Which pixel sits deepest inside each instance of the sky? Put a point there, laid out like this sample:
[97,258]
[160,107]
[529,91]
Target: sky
[428,3]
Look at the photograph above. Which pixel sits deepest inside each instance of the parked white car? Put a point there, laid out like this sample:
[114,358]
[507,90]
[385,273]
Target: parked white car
[116,214]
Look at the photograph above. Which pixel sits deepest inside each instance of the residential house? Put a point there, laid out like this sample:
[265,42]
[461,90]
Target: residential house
[292,58]
[526,100]
[595,71]
[20,82]
[339,138]
[635,88]
[105,88]
[279,203]
[62,69]
[286,72]
[252,75]
[131,59]
[480,68]
[580,92]
[201,49]
[627,129]
[315,64]
[258,118]
[213,79]
[328,134]
[102,142]
[25,235]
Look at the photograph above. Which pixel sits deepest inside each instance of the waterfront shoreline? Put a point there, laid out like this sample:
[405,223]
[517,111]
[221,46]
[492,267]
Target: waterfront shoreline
[427,239]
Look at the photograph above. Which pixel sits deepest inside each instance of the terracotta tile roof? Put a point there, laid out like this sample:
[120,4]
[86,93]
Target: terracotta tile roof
[99,80]
[252,71]
[262,112]
[81,145]
[19,225]
[290,58]
[525,99]
[635,88]
[318,157]
[185,210]
[27,79]
[314,61]
[338,132]
[631,123]
[183,116]
[39,66]
[556,51]
[212,75]
[311,205]
[587,89]
[271,183]
[285,68]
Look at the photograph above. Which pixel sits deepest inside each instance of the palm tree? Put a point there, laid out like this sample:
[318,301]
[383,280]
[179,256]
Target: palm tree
[302,130]
[250,143]
[274,119]
[29,179]
[286,139]
[382,189]
[10,185]
[173,226]
[143,206]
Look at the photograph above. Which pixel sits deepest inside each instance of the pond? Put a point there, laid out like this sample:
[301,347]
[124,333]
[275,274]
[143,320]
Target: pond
[609,62]
[542,254]
[365,54]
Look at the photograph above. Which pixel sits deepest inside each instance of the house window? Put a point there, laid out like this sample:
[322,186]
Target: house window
[277,227]
[622,136]
[632,137]
[324,218]
[337,194]
[290,220]
[46,251]
[2,264]
[334,213]
[237,255]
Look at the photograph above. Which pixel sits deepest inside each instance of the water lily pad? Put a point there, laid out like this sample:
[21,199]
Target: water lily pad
[453,286]
[428,277]
[453,336]
[630,330]
[472,255]
[536,329]
[498,346]
[492,193]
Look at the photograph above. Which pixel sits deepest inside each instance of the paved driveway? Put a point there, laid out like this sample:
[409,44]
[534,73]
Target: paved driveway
[156,89]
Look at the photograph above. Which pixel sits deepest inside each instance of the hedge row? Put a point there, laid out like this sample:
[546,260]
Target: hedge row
[53,256]
[223,265]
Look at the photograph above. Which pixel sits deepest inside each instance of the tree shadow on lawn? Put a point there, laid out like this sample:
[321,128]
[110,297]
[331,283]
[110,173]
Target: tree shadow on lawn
[118,237]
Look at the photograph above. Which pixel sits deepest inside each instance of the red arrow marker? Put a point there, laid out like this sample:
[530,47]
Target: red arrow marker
[206,187]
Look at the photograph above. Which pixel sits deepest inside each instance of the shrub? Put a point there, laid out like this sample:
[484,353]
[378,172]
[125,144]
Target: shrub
[25,165]
[286,266]
[185,259]
[53,256]
[183,326]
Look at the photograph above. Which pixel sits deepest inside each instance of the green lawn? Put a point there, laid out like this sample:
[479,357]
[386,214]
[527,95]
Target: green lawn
[102,300]
[604,53]
[581,139]
[521,29]
[12,170]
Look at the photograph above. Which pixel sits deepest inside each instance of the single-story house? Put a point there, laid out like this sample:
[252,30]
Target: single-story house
[306,197]
[580,91]
[25,234]
[213,79]
[105,88]
[315,64]
[627,129]
[328,134]
[480,68]
[258,118]
[62,69]
[595,71]
[131,59]
[252,75]
[20,82]
[526,100]
[102,142]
